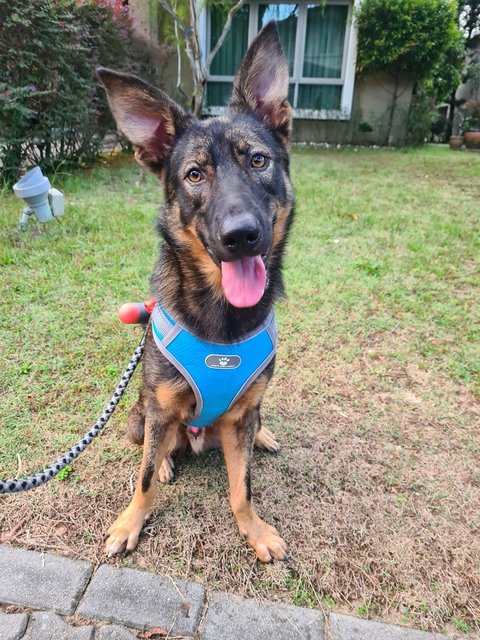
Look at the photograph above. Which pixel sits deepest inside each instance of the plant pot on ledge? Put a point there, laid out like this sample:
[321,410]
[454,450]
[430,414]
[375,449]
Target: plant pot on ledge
[456,142]
[472,139]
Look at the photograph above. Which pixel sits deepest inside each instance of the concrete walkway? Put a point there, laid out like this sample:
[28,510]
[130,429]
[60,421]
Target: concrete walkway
[116,604]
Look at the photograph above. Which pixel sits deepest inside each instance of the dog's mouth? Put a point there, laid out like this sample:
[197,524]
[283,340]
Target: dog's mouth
[244,280]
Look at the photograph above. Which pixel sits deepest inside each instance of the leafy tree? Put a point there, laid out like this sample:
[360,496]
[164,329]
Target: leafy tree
[52,110]
[469,20]
[405,39]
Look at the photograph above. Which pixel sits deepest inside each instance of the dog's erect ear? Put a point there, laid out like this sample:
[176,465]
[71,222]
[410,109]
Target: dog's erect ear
[261,83]
[145,115]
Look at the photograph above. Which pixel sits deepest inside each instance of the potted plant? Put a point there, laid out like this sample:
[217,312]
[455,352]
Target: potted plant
[471,124]
[471,109]
[455,142]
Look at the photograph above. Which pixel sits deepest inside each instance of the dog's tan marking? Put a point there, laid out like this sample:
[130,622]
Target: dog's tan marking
[280,228]
[264,538]
[176,397]
[250,399]
[265,439]
[200,256]
[165,473]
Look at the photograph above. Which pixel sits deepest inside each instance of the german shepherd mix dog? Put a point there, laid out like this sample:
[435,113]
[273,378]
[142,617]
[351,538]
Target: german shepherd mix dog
[228,208]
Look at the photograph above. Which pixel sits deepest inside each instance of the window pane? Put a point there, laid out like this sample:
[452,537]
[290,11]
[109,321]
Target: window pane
[218,94]
[291,93]
[324,41]
[319,96]
[230,55]
[286,16]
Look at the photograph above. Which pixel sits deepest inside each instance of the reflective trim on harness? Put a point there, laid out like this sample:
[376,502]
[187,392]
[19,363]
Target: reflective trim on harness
[218,373]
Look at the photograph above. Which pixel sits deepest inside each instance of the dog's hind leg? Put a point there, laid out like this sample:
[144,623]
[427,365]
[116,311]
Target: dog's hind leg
[136,421]
[165,473]
[237,442]
[264,439]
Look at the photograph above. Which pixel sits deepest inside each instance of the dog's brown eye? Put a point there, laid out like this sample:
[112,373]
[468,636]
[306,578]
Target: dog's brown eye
[195,176]
[258,161]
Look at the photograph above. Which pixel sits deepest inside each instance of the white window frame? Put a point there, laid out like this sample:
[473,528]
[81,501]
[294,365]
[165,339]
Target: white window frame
[347,79]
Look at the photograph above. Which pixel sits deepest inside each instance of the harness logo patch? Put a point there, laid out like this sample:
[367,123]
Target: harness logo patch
[222,362]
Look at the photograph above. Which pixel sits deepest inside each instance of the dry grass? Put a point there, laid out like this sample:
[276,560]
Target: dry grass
[377,486]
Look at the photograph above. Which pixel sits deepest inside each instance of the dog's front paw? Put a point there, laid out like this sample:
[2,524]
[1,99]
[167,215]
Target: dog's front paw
[267,543]
[124,532]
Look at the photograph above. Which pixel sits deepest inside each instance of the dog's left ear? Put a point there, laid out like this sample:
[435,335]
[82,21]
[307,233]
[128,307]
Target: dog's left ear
[145,115]
[261,84]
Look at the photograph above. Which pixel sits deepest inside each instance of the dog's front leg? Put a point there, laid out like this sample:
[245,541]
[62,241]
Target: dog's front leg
[237,439]
[160,430]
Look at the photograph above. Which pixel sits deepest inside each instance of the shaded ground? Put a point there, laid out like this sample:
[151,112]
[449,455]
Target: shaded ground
[375,399]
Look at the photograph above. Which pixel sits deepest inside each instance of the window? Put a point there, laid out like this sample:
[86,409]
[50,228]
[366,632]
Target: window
[318,42]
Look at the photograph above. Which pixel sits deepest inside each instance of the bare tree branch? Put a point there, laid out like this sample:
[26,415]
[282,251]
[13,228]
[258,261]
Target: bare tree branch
[193,48]
[172,12]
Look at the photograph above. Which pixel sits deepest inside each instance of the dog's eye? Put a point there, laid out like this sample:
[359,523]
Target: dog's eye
[194,176]
[258,161]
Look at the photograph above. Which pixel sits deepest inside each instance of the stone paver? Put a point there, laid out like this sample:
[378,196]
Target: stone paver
[41,581]
[349,628]
[236,618]
[48,626]
[113,632]
[12,625]
[138,599]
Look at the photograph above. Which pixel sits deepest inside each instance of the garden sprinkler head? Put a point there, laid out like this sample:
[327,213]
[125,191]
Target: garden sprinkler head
[45,202]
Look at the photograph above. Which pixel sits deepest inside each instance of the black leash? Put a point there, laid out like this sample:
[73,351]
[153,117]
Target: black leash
[11,485]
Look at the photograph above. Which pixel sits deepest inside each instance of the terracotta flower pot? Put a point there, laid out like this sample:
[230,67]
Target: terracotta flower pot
[472,139]
[456,142]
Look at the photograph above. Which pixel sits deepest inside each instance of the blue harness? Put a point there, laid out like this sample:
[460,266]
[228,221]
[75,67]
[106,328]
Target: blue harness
[218,373]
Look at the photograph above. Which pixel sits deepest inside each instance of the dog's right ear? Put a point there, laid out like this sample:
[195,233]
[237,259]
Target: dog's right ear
[145,115]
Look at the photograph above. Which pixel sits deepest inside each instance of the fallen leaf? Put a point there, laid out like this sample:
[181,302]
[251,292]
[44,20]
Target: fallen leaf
[354,216]
[61,531]
[150,633]
[411,398]
[417,375]
[185,607]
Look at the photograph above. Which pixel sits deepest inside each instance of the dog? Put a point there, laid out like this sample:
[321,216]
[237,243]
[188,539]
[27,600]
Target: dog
[227,211]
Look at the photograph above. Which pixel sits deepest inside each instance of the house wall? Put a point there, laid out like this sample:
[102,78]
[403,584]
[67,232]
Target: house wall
[372,96]
[144,17]
[465,91]
[372,100]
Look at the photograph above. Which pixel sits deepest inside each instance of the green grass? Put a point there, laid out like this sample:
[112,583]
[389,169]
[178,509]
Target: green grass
[375,397]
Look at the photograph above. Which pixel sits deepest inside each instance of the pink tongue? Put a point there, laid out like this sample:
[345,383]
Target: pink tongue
[244,281]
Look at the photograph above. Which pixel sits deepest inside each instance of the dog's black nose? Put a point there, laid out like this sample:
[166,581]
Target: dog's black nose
[241,235]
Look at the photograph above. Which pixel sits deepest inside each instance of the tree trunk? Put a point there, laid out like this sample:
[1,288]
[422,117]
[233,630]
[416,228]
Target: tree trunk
[451,115]
[390,136]
[198,97]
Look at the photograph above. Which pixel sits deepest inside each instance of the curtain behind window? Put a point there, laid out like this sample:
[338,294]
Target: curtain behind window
[230,55]
[286,16]
[324,41]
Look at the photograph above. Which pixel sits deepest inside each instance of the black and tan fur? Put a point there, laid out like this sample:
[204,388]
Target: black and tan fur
[187,277]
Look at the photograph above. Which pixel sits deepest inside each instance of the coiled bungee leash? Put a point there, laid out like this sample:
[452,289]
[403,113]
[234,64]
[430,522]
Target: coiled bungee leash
[12,485]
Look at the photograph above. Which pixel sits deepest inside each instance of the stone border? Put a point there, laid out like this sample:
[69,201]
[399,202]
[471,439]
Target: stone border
[133,600]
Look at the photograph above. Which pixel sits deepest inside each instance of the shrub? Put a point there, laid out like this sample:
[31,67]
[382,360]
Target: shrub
[419,35]
[52,110]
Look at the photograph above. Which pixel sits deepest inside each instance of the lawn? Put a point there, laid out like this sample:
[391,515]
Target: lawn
[375,399]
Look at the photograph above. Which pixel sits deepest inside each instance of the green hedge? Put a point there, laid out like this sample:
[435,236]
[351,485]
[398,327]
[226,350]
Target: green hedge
[52,110]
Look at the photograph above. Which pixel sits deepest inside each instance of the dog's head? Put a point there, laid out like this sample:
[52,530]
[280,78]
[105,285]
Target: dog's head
[227,188]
